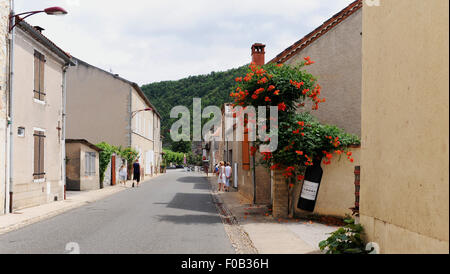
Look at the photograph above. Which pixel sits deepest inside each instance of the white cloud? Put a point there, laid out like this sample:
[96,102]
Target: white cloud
[148,40]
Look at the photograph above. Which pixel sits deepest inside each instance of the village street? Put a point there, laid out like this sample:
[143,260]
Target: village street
[170,214]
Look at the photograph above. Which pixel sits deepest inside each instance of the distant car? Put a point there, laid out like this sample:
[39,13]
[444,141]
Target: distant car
[180,166]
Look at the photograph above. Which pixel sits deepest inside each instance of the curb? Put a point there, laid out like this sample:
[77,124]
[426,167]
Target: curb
[239,238]
[114,190]
[53,213]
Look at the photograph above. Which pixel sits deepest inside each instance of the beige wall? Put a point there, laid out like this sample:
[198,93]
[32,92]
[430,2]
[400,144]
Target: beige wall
[337,189]
[146,135]
[405,125]
[4,13]
[76,167]
[338,68]
[33,115]
[97,106]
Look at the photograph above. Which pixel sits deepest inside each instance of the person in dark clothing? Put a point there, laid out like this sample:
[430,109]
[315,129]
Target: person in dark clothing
[136,172]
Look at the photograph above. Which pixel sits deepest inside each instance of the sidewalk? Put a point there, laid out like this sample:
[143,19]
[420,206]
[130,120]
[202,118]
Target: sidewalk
[74,199]
[273,236]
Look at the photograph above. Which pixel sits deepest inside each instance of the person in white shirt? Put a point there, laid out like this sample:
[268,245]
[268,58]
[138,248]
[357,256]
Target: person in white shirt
[228,174]
[221,176]
[123,174]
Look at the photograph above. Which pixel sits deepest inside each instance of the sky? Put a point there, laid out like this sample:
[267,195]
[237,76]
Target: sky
[149,41]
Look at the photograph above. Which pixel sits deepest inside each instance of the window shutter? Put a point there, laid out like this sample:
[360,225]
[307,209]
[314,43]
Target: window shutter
[39,153]
[36,75]
[86,163]
[41,156]
[41,78]
[36,155]
[93,163]
[245,152]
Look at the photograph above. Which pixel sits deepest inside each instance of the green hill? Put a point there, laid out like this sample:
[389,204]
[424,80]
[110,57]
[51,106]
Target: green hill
[213,89]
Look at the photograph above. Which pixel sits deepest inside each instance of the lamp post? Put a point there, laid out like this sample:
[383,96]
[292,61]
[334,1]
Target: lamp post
[141,110]
[15,19]
[49,11]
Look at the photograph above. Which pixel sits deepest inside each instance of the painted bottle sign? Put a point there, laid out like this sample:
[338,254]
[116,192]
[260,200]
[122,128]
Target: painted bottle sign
[311,184]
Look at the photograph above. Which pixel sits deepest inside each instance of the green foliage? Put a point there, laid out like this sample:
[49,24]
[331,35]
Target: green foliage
[173,157]
[346,240]
[317,141]
[214,89]
[195,160]
[128,154]
[276,83]
[108,150]
[182,146]
[301,138]
[105,157]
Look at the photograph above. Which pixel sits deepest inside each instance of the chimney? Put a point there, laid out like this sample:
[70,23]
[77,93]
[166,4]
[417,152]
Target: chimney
[258,54]
[38,28]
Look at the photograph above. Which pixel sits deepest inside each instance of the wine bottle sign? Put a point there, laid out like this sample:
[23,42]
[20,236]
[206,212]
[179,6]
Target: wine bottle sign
[311,185]
[309,191]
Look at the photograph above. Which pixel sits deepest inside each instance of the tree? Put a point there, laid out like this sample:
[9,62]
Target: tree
[182,146]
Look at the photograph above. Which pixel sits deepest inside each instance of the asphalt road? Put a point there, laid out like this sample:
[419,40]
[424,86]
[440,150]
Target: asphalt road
[170,214]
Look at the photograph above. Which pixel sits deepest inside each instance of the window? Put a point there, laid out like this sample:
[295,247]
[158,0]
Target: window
[39,171]
[89,161]
[21,132]
[39,65]
[150,128]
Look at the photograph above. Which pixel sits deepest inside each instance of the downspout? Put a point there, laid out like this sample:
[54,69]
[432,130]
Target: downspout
[63,135]
[11,111]
[254,177]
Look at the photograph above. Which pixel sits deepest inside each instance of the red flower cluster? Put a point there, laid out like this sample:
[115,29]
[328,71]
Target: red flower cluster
[314,95]
[335,142]
[267,155]
[308,61]
[296,84]
[289,172]
[282,106]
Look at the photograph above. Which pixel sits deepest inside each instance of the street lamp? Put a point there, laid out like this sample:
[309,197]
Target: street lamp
[137,111]
[49,11]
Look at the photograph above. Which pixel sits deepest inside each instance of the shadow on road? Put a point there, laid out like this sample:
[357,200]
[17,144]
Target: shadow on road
[201,202]
[190,219]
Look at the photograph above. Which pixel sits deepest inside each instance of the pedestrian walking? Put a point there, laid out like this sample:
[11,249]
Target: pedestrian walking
[222,177]
[123,175]
[136,173]
[228,174]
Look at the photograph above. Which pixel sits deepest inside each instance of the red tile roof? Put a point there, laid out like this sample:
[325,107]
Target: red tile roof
[318,32]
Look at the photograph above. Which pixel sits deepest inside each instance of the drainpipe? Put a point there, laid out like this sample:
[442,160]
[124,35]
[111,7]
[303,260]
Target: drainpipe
[11,111]
[63,135]
[254,177]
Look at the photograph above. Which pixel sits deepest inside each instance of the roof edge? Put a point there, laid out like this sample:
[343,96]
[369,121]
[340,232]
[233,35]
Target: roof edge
[83,141]
[46,42]
[318,32]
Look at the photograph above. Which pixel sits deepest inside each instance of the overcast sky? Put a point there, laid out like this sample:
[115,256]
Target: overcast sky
[154,40]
